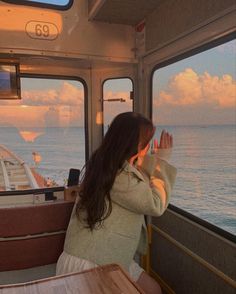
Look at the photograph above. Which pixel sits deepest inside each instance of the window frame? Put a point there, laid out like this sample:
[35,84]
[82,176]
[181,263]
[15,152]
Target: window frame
[56,77]
[220,41]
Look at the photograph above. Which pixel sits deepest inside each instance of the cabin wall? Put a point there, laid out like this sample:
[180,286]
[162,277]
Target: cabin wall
[190,257]
[93,75]
[177,17]
[40,31]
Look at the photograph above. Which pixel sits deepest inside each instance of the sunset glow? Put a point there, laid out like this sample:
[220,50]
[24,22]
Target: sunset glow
[10,20]
[189,88]
[30,136]
[62,107]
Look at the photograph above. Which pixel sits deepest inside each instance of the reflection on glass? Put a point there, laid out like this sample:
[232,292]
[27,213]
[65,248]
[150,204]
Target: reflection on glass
[116,96]
[9,82]
[42,135]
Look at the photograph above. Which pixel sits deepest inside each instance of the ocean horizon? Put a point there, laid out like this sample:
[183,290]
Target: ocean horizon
[205,156]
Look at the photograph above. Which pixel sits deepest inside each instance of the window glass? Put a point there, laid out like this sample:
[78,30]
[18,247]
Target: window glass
[42,135]
[195,100]
[117,98]
[53,3]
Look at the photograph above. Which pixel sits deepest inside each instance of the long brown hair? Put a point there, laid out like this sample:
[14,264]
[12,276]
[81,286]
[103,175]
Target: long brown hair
[128,133]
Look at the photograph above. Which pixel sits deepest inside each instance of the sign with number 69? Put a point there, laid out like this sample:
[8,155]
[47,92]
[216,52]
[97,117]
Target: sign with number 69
[41,30]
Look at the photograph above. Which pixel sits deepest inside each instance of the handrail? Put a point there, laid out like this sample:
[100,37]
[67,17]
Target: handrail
[32,236]
[31,178]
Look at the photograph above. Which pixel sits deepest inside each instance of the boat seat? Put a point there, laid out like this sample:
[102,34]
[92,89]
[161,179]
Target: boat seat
[32,236]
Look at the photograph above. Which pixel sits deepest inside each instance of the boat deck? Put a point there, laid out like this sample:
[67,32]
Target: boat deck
[14,172]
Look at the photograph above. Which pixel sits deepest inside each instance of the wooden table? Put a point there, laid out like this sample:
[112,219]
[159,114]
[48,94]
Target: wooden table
[107,279]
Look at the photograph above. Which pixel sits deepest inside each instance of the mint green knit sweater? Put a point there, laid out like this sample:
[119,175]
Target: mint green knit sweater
[135,193]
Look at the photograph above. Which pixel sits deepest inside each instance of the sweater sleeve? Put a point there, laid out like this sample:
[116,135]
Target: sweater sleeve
[148,193]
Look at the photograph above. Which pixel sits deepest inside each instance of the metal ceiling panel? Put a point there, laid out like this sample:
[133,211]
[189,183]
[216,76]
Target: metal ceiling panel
[129,12]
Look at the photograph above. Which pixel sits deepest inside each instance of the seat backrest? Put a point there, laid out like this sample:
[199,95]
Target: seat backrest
[34,235]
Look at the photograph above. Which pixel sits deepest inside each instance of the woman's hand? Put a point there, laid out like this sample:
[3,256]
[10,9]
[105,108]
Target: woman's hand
[166,140]
[163,150]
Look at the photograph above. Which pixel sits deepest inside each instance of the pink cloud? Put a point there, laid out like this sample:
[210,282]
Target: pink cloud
[188,88]
[68,94]
[49,107]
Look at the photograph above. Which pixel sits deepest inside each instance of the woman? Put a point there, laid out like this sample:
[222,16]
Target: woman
[121,184]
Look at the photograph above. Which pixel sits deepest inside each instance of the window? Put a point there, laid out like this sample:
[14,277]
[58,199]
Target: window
[195,99]
[54,4]
[117,97]
[9,81]
[42,136]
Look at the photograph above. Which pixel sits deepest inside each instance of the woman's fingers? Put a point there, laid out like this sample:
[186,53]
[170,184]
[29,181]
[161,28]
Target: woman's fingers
[155,143]
[171,141]
[162,139]
[154,146]
[166,140]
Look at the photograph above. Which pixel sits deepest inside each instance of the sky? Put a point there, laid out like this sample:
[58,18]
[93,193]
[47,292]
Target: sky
[198,90]
[55,2]
[195,91]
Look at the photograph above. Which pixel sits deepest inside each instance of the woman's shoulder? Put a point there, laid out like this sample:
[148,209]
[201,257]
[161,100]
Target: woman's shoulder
[129,189]
[128,180]
[129,172]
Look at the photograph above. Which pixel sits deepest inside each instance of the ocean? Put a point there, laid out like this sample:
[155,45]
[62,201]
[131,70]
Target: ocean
[205,157]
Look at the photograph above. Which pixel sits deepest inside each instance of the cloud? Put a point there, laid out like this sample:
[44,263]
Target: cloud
[47,107]
[71,95]
[219,91]
[68,94]
[22,116]
[187,88]
[52,117]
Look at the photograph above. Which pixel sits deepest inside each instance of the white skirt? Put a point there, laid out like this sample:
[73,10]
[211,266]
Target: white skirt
[68,263]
